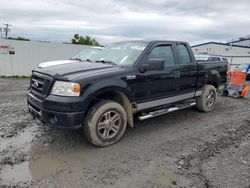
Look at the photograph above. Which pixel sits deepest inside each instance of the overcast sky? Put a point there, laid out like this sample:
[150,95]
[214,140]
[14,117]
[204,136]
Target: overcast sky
[108,21]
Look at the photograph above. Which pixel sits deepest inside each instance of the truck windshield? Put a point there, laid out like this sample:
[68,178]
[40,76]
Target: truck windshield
[86,54]
[122,53]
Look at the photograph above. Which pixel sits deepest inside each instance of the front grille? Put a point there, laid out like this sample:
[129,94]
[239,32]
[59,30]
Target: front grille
[39,84]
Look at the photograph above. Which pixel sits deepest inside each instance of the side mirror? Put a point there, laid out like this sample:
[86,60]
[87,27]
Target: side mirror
[152,64]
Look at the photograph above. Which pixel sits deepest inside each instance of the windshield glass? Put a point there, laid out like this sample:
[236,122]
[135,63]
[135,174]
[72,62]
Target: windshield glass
[86,53]
[122,53]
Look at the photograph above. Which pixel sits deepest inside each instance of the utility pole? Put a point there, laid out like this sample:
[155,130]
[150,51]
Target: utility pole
[1,33]
[6,30]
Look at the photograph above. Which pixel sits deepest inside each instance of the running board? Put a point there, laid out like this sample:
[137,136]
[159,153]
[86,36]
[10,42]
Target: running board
[164,111]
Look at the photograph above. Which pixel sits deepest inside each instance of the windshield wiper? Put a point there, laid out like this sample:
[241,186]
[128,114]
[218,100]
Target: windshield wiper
[106,61]
[76,59]
[89,60]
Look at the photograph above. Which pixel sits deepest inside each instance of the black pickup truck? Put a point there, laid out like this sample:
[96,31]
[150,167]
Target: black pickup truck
[125,80]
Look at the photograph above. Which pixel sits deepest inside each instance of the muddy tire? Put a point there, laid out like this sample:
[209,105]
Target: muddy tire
[105,123]
[206,101]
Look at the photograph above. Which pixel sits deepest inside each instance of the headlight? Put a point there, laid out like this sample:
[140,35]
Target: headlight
[66,88]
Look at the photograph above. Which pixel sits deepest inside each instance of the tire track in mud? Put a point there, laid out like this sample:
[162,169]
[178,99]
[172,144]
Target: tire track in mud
[191,165]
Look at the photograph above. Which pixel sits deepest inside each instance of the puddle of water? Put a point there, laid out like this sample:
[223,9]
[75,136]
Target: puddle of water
[17,173]
[33,170]
[46,165]
[163,176]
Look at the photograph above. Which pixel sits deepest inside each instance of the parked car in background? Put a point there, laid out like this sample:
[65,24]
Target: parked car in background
[204,57]
[83,55]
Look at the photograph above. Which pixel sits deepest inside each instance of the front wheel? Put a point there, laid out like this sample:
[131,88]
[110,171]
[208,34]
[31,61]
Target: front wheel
[206,101]
[105,123]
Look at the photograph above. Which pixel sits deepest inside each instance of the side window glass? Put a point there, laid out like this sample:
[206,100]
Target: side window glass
[163,52]
[210,59]
[184,54]
[214,59]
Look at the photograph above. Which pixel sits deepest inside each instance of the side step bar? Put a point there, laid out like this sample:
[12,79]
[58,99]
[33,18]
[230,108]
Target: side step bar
[164,111]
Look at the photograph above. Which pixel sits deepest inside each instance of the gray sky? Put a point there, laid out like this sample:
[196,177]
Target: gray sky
[108,21]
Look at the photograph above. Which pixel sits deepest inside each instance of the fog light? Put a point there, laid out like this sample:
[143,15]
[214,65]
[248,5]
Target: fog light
[53,119]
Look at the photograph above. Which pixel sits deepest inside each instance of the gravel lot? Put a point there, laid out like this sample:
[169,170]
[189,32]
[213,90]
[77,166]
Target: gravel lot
[182,149]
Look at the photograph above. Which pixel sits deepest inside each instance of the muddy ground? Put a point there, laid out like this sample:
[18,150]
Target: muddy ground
[182,149]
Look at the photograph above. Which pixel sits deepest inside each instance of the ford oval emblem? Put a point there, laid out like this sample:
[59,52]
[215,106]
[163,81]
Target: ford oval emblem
[36,84]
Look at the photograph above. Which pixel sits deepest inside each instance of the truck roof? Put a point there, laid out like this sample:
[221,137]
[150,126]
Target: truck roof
[153,41]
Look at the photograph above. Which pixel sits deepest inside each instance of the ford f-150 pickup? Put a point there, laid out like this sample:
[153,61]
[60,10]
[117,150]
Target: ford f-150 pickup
[142,79]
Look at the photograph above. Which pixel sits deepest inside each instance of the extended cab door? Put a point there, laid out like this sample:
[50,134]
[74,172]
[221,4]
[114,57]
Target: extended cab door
[186,83]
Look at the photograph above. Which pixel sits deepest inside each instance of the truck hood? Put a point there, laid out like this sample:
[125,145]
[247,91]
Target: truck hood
[70,71]
[53,63]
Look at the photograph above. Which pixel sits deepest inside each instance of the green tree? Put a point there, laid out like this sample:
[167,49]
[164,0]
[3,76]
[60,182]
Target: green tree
[18,38]
[87,40]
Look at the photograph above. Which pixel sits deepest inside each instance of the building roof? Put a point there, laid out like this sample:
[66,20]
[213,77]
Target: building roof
[224,44]
[239,40]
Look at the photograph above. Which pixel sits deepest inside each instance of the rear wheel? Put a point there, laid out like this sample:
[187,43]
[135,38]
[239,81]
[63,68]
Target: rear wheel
[206,101]
[105,123]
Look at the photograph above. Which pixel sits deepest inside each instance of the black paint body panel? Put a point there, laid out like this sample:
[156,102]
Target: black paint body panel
[139,87]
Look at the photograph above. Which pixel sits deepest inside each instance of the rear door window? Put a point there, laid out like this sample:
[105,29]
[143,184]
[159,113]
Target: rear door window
[184,56]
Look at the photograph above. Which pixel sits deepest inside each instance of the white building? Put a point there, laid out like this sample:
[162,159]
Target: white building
[237,52]
[18,58]
[240,47]
[242,42]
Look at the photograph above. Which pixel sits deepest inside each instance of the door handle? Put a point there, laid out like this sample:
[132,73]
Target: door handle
[177,74]
[192,73]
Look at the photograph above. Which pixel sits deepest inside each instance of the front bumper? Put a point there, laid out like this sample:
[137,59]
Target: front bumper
[54,118]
